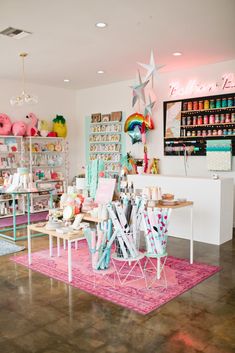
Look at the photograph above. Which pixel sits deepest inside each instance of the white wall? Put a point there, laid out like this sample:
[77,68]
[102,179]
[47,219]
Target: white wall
[52,101]
[118,96]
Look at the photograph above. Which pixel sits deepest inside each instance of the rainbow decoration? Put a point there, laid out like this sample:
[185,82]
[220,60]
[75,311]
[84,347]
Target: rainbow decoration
[137,119]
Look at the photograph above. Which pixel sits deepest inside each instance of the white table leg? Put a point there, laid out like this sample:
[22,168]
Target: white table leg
[58,246]
[158,268]
[191,234]
[51,245]
[69,261]
[76,244]
[64,241]
[29,246]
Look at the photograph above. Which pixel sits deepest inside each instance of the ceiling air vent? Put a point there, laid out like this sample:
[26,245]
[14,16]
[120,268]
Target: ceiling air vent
[15,33]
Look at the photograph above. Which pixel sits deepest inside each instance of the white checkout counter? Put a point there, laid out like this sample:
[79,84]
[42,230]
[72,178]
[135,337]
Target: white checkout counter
[212,210]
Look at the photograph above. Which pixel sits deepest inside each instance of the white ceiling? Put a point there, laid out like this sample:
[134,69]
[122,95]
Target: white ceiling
[66,44]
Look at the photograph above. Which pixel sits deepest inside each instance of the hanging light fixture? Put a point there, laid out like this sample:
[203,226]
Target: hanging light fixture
[23,97]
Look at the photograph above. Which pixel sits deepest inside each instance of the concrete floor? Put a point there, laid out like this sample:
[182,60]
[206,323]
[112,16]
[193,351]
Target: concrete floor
[39,314]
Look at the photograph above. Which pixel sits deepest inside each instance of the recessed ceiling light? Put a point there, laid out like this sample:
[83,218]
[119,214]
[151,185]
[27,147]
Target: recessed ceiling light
[100,72]
[66,80]
[101,25]
[177,53]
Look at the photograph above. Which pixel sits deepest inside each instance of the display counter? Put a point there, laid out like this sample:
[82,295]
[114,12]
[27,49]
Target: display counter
[213,205]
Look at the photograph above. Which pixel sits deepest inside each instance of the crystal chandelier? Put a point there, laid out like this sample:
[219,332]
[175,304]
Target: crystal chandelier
[23,97]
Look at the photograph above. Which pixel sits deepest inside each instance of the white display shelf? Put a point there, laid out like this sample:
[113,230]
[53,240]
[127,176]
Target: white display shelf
[50,152]
[47,166]
[105,142]
[107,123]
[48,181]
[11,215]
[5,168]
[39,211]
[106,133]
[10,152]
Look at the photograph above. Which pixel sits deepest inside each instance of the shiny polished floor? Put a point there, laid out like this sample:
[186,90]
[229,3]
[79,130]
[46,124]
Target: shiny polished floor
[39,314]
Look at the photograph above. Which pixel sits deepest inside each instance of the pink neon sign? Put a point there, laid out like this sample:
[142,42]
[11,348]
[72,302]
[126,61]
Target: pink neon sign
[193,86]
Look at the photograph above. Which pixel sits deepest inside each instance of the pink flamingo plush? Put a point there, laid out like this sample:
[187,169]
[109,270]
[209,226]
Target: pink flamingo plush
[32,126]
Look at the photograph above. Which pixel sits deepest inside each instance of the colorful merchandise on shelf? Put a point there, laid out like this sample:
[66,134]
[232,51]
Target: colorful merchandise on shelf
[5,124]
[187,129]
[105,142]
[59,126]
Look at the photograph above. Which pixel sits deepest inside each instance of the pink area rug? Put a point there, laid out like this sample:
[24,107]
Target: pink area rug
[180,276]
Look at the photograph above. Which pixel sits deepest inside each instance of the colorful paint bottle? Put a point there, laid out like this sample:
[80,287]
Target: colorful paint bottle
[195,105]
[230,101]
[212,104]
[185,106]
[228,118]
[190,105]
[218,103]
[205,119]
[199,120]
[212,119]
[206,104]
[224,102]
[222,118]
[201,105]
[217,118]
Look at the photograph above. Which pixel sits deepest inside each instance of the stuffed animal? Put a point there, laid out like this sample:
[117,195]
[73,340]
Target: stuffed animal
[59,126]
[44,128]
[19,128]
[32,126]
[5,124]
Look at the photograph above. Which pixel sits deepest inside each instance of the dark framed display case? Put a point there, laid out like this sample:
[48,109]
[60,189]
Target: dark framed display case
[189,123]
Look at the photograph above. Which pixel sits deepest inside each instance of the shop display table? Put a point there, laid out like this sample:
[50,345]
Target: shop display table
[14,195]
[71,237]
[213,204]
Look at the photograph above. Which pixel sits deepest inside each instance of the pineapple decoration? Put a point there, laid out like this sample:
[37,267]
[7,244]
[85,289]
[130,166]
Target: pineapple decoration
[59,126]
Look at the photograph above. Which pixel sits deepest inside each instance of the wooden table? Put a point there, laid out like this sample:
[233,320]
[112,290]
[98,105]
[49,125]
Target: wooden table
[71,237]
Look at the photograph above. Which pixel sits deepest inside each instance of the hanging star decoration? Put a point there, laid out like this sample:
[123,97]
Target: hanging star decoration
[138,91]
[148,108]
[151,68]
